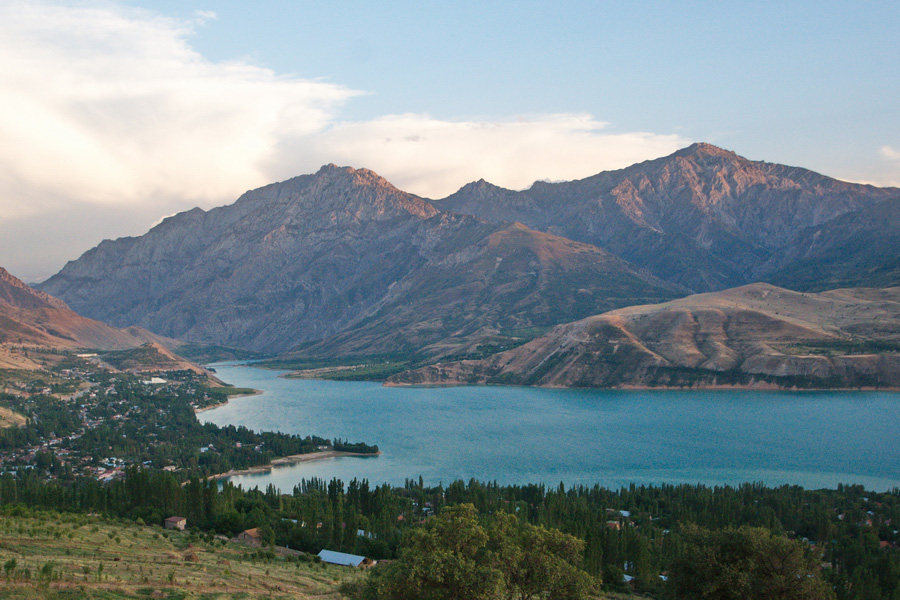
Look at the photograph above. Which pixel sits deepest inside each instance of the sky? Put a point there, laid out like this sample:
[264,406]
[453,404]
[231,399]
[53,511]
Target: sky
[116,114]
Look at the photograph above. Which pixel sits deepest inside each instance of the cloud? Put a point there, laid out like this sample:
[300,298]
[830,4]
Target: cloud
[107,106]
[434,157]
[890,153]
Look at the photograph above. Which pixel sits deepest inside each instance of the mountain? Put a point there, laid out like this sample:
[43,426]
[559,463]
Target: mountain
[30,317]
[861,248]
[488,292]
[342,262]
[703,218]
[757,334]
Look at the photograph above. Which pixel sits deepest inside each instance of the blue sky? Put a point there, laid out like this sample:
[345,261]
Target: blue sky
[116,114]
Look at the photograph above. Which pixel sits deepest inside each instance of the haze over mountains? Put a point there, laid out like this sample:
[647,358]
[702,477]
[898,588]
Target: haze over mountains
[342,263]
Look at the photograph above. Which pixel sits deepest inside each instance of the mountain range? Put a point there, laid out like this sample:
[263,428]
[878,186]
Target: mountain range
[703,218]
[341,263]
[344,260]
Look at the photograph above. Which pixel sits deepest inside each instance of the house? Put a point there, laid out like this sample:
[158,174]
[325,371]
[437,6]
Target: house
[176,523]
[251,537]
[347,560]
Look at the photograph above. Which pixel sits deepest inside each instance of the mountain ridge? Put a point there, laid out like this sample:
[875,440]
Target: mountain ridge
[312,258]
[700,206]
[340,262]
[33,318]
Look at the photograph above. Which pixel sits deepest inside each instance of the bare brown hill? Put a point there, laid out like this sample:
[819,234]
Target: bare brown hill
[751,335]
[32,318]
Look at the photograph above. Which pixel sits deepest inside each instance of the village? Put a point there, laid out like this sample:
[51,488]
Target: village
[57,423]
[85,421]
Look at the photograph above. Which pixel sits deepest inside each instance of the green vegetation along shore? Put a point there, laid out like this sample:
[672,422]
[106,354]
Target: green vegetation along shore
[103,453]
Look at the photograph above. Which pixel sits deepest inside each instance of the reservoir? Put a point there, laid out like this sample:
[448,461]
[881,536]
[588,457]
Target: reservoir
[613,438]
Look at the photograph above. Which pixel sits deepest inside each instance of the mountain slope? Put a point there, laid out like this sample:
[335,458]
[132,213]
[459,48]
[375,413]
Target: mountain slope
[483,293]
[855,249]
[703,217]
[29,317]
[338,251]
[755,333]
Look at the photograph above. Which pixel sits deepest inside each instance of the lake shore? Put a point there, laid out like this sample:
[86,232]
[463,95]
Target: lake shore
[205,408]
[721,387]
[290,460]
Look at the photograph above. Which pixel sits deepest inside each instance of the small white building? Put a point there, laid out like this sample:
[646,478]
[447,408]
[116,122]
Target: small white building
[347,560]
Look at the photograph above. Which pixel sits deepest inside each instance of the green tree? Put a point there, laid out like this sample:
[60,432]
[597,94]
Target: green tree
[745,563]
[455,557]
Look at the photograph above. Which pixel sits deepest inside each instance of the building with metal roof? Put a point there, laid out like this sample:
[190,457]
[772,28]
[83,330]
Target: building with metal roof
[347,560]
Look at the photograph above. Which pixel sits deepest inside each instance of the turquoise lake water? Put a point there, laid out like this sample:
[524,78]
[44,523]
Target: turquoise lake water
[614,438]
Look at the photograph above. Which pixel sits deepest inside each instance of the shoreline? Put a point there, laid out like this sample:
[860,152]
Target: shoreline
[212,406]
[765,387]
[290,460]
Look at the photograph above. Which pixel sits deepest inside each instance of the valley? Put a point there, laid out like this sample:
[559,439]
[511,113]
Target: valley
[700,272]
[342,269]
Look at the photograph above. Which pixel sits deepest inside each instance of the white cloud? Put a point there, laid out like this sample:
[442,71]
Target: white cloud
[890,153]
[102,105]
[202,16]
[432,157]
[113,106]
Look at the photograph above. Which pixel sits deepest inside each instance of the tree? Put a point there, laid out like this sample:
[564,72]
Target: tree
[455,557]
[744,563]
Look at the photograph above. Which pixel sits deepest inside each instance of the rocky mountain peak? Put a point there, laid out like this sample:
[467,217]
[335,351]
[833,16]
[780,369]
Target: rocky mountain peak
[365,177]
[706,149]
[338,190]
[482,188]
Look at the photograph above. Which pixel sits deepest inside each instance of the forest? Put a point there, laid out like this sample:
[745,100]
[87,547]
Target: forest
[631,538]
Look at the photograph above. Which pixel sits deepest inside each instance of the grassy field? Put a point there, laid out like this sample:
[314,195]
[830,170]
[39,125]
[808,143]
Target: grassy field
[50,556]
[9,418]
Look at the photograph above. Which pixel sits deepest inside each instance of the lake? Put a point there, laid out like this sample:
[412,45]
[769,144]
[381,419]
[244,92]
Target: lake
[611,437]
